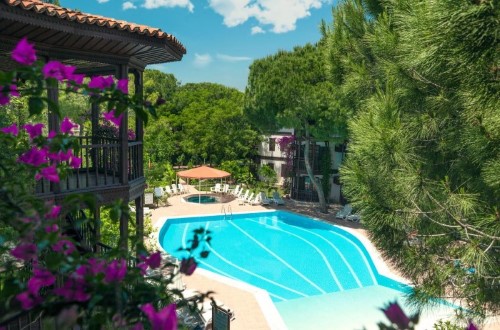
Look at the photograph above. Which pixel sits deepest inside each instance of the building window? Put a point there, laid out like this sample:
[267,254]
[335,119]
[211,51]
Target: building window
[272,144]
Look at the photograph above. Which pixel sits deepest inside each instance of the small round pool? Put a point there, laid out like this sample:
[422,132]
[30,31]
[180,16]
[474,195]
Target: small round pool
[202,199]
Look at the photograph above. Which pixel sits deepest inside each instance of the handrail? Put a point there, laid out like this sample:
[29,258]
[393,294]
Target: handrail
[223,210]
[230,211]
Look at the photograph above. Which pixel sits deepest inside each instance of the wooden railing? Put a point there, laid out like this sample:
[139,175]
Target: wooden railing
[100,166]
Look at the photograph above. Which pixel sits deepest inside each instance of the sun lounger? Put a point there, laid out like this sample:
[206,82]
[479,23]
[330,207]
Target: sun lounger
[235,191]
[344,212]
[255,201]
[225,189]
[175,191]
[242,199]
[168,190]
[217,188]
[277,199]
[264,200]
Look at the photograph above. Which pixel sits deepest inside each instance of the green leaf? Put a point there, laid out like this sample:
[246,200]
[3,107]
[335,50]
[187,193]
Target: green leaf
[35,105]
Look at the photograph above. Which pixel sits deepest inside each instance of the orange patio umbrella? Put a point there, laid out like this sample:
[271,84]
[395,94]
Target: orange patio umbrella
[203,172]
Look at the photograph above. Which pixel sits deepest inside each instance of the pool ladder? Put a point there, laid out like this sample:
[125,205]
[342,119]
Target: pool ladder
[227,215]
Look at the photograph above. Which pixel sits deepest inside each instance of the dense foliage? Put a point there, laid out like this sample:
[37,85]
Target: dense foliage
[420,81]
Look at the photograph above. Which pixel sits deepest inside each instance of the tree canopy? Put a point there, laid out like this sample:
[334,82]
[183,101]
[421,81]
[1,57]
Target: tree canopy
[420,81]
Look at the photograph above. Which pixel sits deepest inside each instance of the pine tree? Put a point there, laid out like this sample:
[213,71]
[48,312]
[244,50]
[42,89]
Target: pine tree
[420,81]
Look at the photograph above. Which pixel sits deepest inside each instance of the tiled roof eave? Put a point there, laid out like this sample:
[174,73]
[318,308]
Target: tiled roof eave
[89,19]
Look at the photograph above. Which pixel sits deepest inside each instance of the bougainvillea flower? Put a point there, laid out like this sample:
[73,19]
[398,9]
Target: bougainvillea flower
[27,300]
[154,260]
[396,315]
[75,162]
[41,278]
[64,246]
[34,130]
[97,266]
[60,156]
[24,251]
[52,134]
[73,290]
[52,228]
[77,78]
[24,52]
[54,69]
[54,212]
[101,82]
[115,271]
[165,319]
[67,126]
[122,85]
[12,129]
[50,173]
[111,116]
[7,92]
[143,267]
[188,266]
[34,157]
[471,326]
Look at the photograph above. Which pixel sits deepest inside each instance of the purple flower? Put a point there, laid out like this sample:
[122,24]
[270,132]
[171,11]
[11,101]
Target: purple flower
[101,82]
[96,266]
[12,129]
[34,157]
[60,156]
[54,212]
[67,126]
[34,130]
[27,300]
[188,266]
[396,315]
[73,290]
[165,319]
[24,52]
[154,260]
[49,173]
[75,162]
[24,251]
[115,271]
[122,85]
[471,326]
[77,78]
[131,134]
[54,69]
[41,278]
[111,116]
[52,134]
[52,228]
[64,246]
[6,92]
[143,267]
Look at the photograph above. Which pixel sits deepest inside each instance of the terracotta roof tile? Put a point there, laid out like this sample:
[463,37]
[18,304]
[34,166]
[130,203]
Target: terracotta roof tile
[90,19]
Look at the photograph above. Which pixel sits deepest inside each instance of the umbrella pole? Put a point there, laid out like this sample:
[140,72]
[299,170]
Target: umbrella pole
[199,191]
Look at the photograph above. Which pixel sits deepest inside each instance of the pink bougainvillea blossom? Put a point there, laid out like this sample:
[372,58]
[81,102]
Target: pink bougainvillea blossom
[67,126]
[24,52]
[165,319]
[54,212]
[396,315]
[97,266]
[24,251]
[52,134]
[6,92]
[154,260]
[73,290]
[52,228]
[75,162]
[34,157]
[111,116]
[188,266]
[122,85]
[54,69]
[12,130]
[143,267]
[471,326]
[77,78]
[64,246]
[41,278]
[28,300]
[34,130]
[61,156]
[49,173]
[100,82]
[115,271]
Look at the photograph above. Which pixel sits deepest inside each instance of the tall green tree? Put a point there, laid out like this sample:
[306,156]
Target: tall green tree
[290,89]
[420,80]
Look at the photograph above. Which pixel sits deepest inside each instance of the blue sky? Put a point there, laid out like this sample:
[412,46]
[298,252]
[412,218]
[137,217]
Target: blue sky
[222,37]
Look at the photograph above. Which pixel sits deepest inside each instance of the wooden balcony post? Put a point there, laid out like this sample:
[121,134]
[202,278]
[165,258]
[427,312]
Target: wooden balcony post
[139,220]
[122,74]
[139,127]
[97,228]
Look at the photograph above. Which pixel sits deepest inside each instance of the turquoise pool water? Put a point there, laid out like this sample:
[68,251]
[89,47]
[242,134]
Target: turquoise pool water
[288,255]
[202,199]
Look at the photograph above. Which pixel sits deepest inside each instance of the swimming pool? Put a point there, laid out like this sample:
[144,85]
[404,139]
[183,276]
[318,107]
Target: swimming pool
[202,199]
[288,255]
[316,274]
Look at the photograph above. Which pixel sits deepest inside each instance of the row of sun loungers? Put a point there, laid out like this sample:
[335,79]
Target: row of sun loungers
[259,199]
[171,190]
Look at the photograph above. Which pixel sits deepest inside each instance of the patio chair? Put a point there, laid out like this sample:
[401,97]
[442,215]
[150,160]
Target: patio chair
[240,193]
[158,193]
[344,212]
[182,189]
[249,199]
[225,189]
[277,199]
[168,190]
[216,189]
[236,190]
[264,200]
[174,189]
[256,201]
[243,198]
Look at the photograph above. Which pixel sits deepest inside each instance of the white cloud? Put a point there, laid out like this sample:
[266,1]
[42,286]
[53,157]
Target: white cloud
[229,58]
[102,1]
[128,5]
[281,14]
[202,60]
[152,4]
[257,30]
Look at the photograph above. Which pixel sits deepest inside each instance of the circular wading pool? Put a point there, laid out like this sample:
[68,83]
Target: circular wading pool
[202,199]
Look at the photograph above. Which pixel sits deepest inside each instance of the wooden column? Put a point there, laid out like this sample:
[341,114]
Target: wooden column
[122,73]
[139,221]
[97,228]
[139,133]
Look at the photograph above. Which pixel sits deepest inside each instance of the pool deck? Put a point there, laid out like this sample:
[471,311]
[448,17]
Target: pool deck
[252,307]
